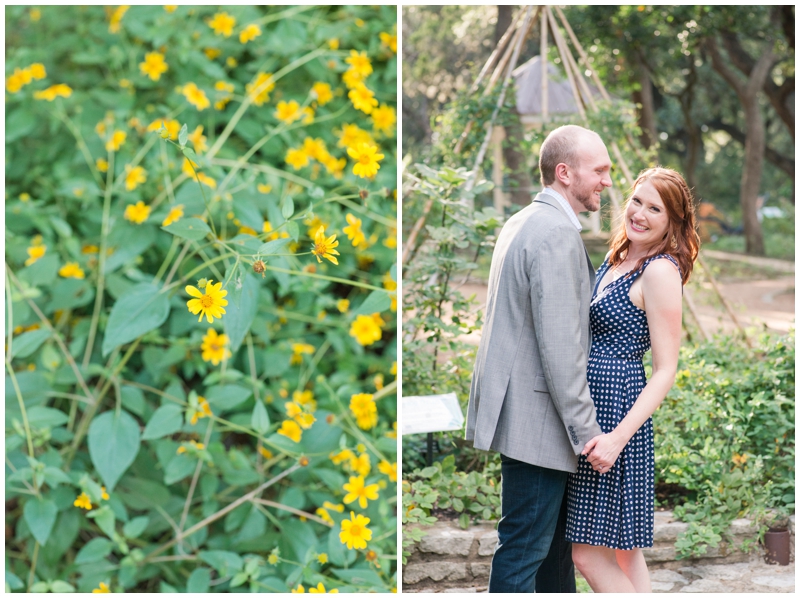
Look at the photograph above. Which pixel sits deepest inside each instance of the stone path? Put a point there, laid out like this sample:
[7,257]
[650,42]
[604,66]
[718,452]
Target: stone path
[754,576]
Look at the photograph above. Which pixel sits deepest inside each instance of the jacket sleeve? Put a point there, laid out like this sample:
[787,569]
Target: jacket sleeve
[557,301]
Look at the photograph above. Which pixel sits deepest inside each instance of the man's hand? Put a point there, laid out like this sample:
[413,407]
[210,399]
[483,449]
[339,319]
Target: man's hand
[602,451]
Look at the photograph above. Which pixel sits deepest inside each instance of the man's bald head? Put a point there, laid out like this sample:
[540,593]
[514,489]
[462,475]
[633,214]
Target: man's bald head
[563,146]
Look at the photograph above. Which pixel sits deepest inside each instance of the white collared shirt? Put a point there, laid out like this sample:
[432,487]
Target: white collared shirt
[567,208]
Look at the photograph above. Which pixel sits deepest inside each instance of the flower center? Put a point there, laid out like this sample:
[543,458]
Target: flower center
[320,248]
[365,159]
[206,301]
[355,530]
[215,347]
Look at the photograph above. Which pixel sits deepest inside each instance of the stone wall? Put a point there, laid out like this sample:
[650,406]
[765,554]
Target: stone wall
[449,558]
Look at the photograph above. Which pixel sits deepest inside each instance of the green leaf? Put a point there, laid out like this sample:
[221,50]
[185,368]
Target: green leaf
[239,315]
[95,550]
[46,417]
[338,553]
[167,419]
[135,527]
[180,467]
[193,229]
[228,396]
[293,229]
[40,587]
[141,494]
[287,209]
[376,302]
[239,579]
[226,563]
[463,520]
[25,344]
[138,312]
[270,248]
[13,582]
[105,519]
[183,135]
[189,153]
[113,445]
[259,421]
[61,587]
[54,477]
[199,581]
[19,124]
[40,515]
[360,577]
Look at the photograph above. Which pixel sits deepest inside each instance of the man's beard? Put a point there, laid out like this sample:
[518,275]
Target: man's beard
[585,196]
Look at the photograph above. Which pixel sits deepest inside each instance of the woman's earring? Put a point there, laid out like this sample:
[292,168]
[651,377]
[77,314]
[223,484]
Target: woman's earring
[674,242]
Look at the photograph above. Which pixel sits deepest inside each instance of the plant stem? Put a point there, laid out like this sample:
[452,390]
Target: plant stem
[35,559]
[352,283]
[22,409]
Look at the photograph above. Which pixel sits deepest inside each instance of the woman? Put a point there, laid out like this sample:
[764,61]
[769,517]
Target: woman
[636,304]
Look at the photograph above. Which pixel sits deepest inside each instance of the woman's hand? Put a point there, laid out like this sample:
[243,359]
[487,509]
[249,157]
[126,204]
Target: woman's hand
[602,451]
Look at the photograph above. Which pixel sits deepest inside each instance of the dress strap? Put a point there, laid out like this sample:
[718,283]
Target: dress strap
[659,256]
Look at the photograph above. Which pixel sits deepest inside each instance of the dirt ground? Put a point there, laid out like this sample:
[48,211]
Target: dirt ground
[764,302]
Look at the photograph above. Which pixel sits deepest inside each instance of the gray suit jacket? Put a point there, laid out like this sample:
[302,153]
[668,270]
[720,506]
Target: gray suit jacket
[529,398]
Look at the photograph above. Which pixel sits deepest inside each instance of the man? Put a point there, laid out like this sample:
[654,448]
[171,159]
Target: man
[529,398]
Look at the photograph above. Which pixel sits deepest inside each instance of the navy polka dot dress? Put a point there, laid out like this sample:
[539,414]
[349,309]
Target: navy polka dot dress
[615,509]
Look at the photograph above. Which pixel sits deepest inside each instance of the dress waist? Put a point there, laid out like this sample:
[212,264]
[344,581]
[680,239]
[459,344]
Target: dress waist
[614,352]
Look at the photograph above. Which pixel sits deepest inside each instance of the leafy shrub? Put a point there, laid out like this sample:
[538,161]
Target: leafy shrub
[726,434]
[148,147]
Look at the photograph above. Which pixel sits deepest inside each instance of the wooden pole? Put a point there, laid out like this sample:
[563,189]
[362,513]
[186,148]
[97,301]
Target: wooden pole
[543,64]
[687,297]
[412,236]
[724,301]
[501,67]
[501,45]
[562,52]
[523,32]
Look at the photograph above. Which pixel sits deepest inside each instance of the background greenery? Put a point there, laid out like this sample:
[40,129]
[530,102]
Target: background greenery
[105,368]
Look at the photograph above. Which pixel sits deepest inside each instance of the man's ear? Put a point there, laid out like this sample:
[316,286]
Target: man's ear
[562,174]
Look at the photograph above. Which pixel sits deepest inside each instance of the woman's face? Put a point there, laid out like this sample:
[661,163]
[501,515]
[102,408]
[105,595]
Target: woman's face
[646,218]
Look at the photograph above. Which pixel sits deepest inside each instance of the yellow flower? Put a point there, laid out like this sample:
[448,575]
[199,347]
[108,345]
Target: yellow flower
[260,87]
[324,515]
[308,115]
[364,409]
[360,63]
[359,22]
[298,349]
[293,409]
[71,270]
[354,232]
[223,24]
[305,398]
[273,557]
[170,7]
[209,304]
[356,490]
[83,501]
[35,14]
[37,70]
[199,446]
[195,96]
[325,247]
[101,164]
[116,141]
[367,158]
[175,214]
[352,79]
[296,158]
[365,330]
[315,148]
[352,136]
[221,104]
[344,455]
[291,430]
[198,139]
[153,65]
[265,452]
[389,469]
[249,33]
[262,188]
[383,119]
[288,112]
[363,99]
[203,410]
[322,558]
[342,305]
[355,532]
[389,40]
[320,589]
[231,61]
[24,197]
[134,176]
[213,347]
[34,253]
[393,371]
[333,43]
[173,127]
[51,93]
[322,92]
[137,213]
[224,86]
[116,17]
[103,589]
[299,589]
[17,80]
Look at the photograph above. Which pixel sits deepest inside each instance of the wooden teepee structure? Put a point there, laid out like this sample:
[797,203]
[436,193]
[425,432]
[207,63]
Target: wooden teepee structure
[585,87]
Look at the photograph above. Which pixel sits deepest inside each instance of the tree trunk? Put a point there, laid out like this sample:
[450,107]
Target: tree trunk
[754,137]
[519,175]
[644,97]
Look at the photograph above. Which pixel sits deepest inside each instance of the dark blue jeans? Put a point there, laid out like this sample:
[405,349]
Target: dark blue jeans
[532,553]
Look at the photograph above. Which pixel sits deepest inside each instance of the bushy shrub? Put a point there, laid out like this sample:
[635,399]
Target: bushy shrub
[235,163]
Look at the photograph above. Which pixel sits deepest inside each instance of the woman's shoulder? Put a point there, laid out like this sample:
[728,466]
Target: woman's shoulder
[661,267]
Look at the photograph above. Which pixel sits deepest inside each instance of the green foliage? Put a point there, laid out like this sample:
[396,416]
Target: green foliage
[472,496]
[147,451]
[726,434]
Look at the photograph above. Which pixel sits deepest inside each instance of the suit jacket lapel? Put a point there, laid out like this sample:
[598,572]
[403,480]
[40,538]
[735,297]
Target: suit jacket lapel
[552,201]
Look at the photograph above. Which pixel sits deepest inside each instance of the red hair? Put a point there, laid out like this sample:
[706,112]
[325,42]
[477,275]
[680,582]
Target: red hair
[681,240]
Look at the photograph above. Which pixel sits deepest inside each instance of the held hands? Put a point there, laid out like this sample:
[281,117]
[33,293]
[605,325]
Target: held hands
[602,451]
